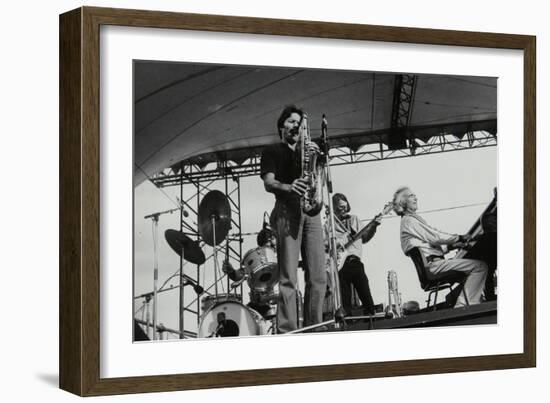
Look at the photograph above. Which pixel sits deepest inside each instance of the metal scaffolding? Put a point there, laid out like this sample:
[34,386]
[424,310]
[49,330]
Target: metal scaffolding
[191,173]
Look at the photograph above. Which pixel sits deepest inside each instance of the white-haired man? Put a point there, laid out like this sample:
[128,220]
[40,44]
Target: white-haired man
[433,243]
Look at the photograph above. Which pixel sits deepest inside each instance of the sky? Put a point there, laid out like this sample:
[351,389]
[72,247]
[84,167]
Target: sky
[453,189]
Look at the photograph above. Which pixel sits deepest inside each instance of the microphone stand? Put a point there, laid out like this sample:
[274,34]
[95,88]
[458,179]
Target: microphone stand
[337,298]
[155,219]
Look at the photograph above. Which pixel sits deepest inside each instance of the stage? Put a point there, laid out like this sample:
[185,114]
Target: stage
[481,314]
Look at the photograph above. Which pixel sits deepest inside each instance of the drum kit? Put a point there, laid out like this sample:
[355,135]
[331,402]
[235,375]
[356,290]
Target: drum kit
[223,313]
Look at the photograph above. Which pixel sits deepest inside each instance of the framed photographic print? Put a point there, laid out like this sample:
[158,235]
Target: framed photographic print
[249,201]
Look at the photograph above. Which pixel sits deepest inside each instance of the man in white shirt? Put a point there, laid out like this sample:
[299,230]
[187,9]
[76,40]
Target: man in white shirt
[433,244]
[352,273]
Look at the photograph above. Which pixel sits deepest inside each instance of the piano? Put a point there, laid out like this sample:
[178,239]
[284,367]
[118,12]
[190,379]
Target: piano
[484,245]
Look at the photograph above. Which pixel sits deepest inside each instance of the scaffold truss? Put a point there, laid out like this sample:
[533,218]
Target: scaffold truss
[191,173]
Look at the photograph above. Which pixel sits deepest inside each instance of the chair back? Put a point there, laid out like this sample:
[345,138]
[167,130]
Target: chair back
[420,265]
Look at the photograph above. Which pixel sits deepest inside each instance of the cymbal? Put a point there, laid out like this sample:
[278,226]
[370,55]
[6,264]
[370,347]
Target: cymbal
[214,205]
[178,241]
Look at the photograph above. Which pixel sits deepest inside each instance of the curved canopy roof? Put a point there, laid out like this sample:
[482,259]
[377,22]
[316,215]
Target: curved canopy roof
[186,112]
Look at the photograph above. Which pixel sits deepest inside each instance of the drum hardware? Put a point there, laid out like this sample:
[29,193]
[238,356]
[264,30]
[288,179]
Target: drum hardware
[155,221]
[268,311]
[264,297]
[190,251]
[265,302]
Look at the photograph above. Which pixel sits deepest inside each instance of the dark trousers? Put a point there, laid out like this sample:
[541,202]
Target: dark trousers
[353,274]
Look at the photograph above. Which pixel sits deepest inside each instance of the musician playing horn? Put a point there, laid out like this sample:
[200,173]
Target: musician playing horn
[433,243]
[352,272]
[296,232]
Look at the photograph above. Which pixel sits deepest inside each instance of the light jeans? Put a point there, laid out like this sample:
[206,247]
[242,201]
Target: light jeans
[298,232]
[475,280]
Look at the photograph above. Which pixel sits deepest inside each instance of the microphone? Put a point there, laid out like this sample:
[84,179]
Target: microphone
[324,136]
[198,289]
[221,323]
[196,286]
[265,224]
[220,317]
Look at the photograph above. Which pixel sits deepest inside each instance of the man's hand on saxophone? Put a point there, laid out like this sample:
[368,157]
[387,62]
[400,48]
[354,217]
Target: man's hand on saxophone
[299,186]
[313,147]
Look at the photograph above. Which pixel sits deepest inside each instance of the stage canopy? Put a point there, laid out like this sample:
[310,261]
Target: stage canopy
[200,113]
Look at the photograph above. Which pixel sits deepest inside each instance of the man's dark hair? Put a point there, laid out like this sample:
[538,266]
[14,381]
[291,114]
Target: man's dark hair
[339,196]
[289,110]
[264,236]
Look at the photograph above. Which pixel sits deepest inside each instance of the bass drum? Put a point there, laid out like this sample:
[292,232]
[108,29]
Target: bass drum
[209,301]
[232,319]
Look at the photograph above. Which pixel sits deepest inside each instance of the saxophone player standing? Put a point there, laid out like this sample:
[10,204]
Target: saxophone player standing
[296,231]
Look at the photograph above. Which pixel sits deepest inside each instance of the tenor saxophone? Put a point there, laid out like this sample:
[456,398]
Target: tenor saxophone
[312,171]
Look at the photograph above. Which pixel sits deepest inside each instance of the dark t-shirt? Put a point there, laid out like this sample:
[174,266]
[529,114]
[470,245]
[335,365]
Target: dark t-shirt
[283,162]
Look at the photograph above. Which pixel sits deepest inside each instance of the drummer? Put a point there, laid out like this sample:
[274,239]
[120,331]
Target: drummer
[266,237]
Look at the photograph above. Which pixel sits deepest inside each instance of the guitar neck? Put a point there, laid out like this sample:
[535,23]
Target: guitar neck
[361,232]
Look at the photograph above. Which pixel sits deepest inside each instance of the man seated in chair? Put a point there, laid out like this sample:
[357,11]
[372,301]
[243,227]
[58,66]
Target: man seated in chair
[433,244]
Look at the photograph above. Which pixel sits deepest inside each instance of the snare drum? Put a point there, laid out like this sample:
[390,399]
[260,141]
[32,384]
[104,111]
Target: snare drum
[265,302]
[231,319]
[261,267]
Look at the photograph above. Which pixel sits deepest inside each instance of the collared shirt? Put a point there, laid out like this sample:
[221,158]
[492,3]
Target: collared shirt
[415,232]
[348,227]
[344,229]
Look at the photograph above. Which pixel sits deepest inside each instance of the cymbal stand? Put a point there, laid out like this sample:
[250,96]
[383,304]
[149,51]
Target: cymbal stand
[181,317]
[155,220]
[147,315]
[213,217]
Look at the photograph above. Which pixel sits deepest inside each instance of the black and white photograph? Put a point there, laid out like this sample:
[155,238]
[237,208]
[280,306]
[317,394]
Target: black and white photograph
[286,201]
[247,201]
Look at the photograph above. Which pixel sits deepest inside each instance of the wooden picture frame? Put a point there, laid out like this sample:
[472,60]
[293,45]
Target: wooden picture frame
[80,200]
